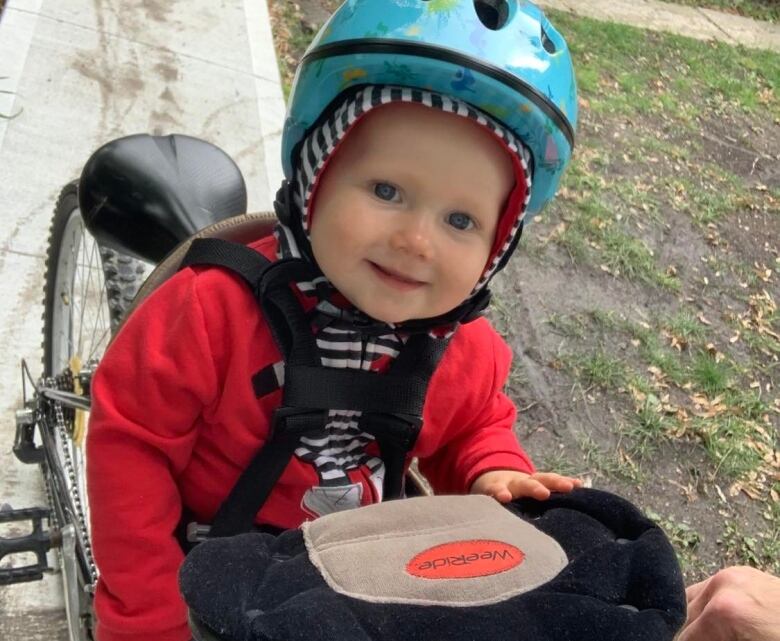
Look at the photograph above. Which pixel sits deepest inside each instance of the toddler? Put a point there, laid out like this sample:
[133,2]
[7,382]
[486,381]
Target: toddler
[414,154]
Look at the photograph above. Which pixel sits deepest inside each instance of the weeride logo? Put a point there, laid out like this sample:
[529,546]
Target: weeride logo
[465,560]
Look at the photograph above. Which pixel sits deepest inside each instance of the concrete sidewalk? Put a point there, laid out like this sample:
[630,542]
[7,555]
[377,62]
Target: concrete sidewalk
[79,73]
[702,24]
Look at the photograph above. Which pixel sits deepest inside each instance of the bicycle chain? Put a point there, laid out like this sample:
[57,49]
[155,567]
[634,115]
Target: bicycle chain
[69,469]
[54,520]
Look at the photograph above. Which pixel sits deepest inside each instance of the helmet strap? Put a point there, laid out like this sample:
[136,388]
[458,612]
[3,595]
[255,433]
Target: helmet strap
[283,203]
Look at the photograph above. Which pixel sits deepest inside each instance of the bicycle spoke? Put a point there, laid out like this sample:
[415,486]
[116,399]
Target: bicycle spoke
[97,305]
[67,331]
[85,285]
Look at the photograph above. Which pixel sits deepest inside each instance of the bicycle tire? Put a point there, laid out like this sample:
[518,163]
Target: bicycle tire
[84,284]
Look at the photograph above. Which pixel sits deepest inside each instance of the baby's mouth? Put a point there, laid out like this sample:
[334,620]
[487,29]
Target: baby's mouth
[394,276]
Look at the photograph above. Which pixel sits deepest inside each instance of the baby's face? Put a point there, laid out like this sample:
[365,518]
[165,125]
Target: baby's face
[405,216]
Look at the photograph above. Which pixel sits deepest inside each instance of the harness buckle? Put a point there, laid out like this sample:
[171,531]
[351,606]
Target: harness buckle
[397,430]
[197,532]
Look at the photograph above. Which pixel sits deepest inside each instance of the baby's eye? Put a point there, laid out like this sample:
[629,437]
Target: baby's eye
[385,191]
[460,221]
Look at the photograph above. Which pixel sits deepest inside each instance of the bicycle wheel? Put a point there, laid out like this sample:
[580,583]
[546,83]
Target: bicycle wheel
[87,289]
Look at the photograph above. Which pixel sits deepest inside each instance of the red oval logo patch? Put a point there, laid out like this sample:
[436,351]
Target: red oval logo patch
[465,560]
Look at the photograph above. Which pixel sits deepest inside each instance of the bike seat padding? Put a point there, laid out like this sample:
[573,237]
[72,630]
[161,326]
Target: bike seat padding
[585,565]
[142,195]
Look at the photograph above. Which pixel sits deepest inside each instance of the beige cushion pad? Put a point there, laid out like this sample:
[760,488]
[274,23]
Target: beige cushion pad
[432,550]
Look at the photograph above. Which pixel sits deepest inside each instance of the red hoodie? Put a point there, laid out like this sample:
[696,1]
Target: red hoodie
[175,421]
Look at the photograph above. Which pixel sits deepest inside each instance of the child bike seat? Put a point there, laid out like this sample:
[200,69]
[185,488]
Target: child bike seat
[584,566]
[241,229]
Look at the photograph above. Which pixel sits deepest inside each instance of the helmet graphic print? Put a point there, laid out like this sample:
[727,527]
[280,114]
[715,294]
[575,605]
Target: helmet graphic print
[501,56]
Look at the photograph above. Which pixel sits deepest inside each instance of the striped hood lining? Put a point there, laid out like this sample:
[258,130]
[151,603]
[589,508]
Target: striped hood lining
[321,144]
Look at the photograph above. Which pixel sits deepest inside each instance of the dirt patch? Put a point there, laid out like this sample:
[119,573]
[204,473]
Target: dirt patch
[747,146]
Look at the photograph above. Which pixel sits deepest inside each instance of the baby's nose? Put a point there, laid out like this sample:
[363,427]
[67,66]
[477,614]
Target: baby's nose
[414,238]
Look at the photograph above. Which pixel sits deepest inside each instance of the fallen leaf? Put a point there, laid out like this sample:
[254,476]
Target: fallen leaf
[713,351]
[752,492]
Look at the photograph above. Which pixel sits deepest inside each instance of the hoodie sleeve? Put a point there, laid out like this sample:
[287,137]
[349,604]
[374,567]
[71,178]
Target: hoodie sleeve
[468,418]
[150,387]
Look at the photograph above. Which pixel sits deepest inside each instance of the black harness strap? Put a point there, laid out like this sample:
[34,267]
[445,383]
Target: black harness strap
[324,388]
[420,357]
[242,260]
[396,433]
[289,325]
[237,512]
[391,403]
[266,381]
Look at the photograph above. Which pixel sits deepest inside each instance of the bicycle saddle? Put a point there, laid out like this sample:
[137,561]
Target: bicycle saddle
[142,195]
[584,566]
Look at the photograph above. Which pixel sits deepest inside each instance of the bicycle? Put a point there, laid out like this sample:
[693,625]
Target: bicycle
[138,198]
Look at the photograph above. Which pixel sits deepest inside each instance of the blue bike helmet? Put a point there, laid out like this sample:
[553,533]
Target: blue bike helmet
[503,57]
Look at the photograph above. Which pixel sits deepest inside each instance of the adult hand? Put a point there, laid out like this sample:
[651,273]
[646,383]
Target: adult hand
[736,604]
[505,485]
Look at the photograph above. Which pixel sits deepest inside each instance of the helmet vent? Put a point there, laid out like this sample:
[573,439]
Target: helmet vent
[492,13]
[549,45]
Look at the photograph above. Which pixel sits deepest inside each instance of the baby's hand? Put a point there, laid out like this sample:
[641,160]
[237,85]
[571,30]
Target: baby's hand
[506,485]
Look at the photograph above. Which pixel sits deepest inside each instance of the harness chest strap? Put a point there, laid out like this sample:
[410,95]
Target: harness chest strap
[391,403]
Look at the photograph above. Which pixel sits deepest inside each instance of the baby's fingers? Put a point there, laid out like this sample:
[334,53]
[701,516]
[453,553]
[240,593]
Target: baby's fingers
[555,482]
[529,486]
[498,491]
